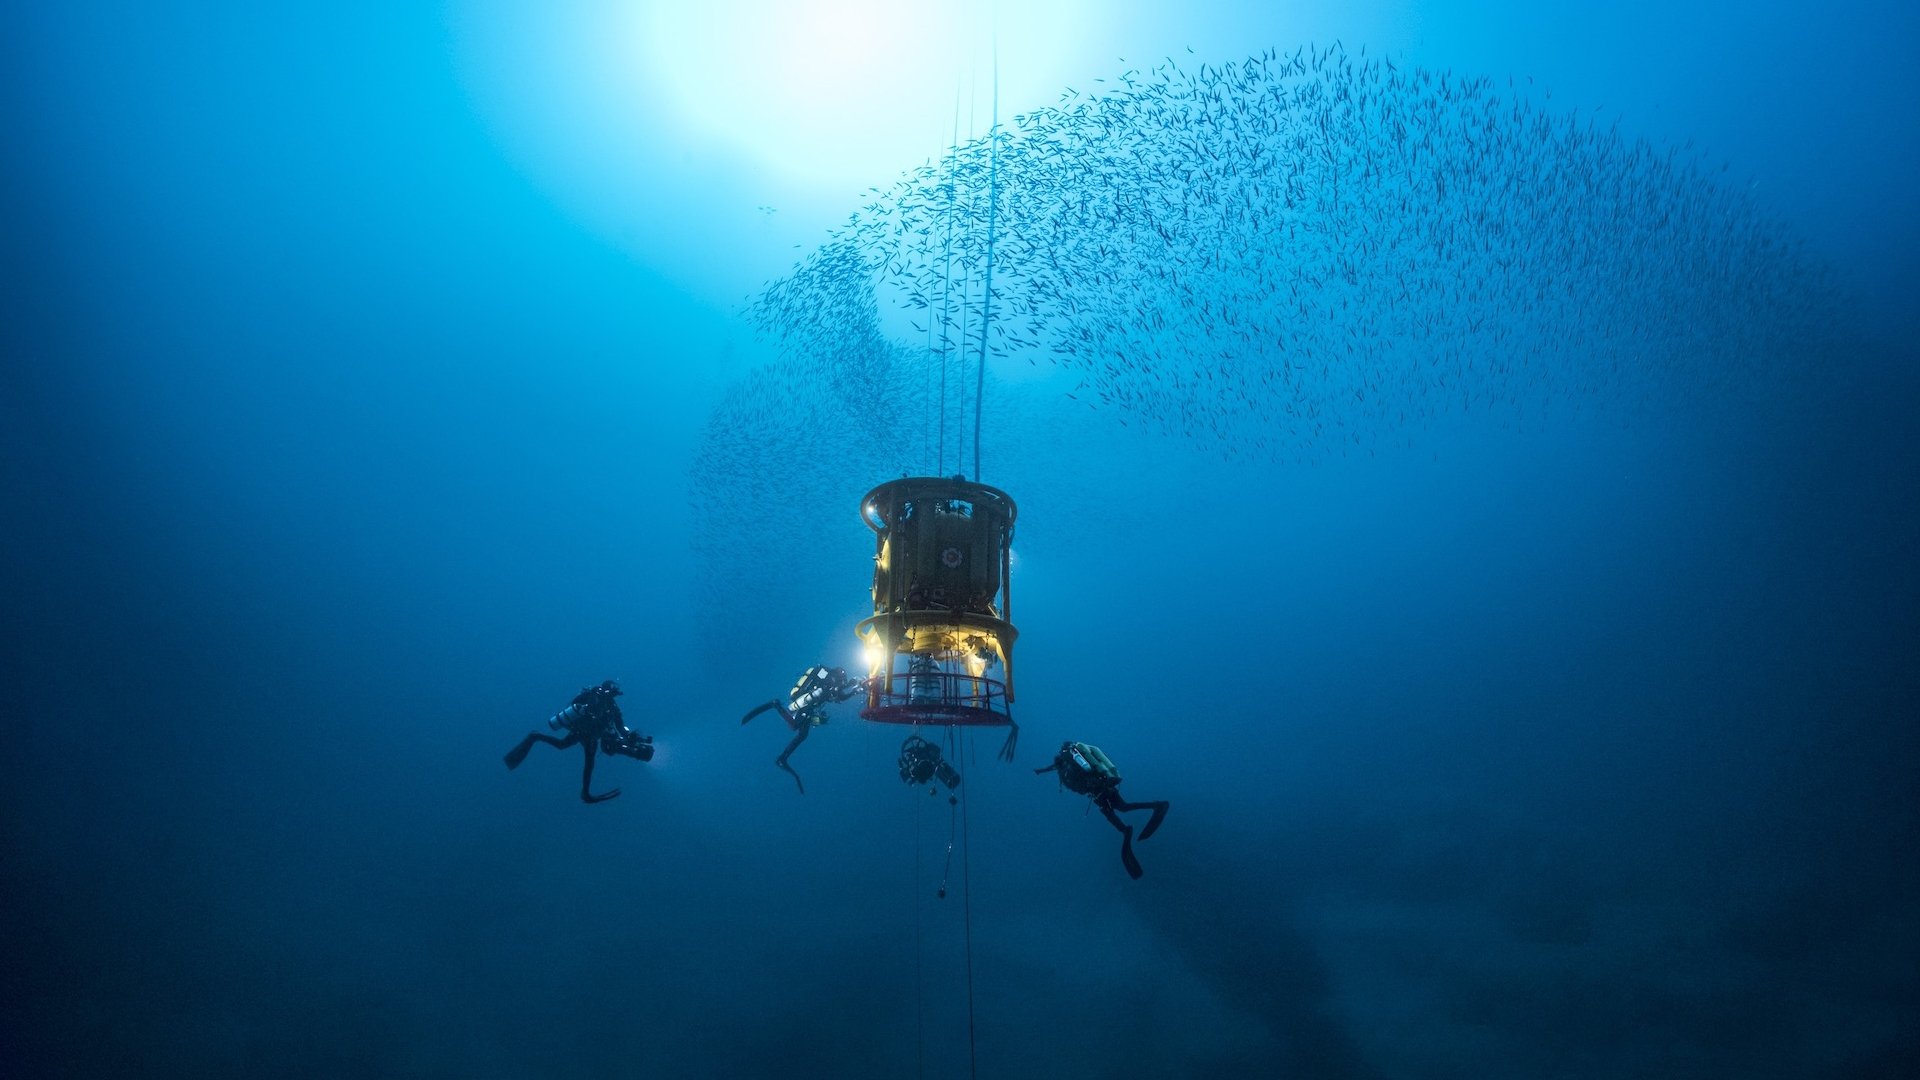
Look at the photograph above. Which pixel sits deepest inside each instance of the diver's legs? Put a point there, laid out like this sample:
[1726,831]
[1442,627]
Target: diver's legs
[519,753]
[1158,807]
[799,737]
[782,763]
[586,780]
[758,709]
[1127,860]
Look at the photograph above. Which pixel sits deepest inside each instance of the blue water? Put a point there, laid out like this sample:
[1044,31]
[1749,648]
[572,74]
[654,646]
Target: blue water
[360,364]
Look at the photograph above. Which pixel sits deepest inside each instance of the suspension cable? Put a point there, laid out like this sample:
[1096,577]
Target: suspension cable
[946,871]
[966,309]
[926,435]
[919,955]
[993,206]
[966,907]
[946,279]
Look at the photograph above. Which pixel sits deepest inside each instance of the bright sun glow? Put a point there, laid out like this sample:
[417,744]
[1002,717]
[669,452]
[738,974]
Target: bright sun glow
[823,90]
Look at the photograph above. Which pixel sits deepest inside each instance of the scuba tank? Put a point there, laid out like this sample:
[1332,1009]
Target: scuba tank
[811,691]
[592,710]
[923,683]
[1083,768]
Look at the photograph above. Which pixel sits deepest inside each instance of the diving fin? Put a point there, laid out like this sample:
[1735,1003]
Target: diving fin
[518,754]
[1159,815]
[1126,857]
[782,762]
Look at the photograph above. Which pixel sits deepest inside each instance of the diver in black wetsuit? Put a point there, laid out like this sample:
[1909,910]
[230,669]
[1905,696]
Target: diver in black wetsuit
[1084,770]
[805,708]
[593,723]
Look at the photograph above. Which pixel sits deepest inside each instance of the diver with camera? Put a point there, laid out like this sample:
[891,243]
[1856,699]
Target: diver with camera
[593,723]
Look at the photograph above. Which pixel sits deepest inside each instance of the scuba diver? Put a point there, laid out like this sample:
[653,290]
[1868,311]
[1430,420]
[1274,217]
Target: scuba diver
[1084,770]
[920,763]
[593,723]
[805,708]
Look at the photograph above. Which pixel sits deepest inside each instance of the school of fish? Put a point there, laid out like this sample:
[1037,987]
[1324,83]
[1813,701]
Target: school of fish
[1278,260]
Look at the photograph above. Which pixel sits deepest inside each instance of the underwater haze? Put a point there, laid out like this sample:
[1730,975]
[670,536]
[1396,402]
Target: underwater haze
[1465,458]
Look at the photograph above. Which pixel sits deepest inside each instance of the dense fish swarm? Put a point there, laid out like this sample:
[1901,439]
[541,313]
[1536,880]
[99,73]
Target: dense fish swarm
[1260,253]
[1281,259]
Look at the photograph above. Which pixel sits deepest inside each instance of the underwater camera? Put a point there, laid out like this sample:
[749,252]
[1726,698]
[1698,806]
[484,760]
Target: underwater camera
[947,774]
[921,762]
[630,744]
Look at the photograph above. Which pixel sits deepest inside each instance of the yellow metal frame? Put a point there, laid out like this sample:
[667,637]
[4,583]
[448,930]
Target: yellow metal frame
[942,582]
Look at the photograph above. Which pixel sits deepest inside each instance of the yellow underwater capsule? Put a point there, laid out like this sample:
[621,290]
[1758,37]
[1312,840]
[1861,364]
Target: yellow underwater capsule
[939,644]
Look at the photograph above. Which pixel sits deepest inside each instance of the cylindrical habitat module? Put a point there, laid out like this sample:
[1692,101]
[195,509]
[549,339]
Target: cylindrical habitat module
[941,602]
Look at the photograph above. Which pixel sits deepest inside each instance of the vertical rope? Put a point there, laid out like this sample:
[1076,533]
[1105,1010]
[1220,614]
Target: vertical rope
[966,308]
[927,385]
[993,207]
[966,904]
[919,955]
[926,436]
[946,280]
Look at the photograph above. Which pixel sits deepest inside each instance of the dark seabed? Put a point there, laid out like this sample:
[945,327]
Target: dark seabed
[1486,512]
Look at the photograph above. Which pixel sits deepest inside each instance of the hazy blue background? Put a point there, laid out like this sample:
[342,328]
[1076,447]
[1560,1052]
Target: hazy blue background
[356,356]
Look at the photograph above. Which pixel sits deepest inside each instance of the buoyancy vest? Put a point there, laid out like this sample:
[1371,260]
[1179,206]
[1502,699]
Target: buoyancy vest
[1085,768]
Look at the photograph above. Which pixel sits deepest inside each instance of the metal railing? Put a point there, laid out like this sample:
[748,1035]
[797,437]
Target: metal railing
[937,697]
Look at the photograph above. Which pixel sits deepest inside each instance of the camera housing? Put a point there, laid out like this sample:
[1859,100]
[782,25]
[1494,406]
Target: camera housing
[948,775]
